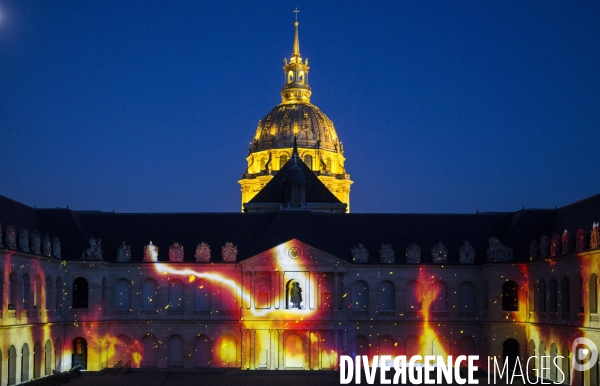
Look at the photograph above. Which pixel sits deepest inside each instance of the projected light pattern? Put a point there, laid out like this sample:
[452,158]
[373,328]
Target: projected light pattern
[252,321]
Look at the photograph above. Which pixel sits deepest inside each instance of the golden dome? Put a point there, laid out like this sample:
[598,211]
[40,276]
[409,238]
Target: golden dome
[313,128]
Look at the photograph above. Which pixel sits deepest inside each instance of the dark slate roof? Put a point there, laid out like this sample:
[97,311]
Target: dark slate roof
[333,233]
[274,190]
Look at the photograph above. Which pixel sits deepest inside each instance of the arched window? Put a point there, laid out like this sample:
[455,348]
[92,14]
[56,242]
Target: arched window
[593,293]
[553,372]
[510,352]
[328,164]
[202,354]
[37,359]
[12,365]
[466,346]
[14,291]
[553,298]
[578,306]
[226,346]
[59,293]
[440,297]
[25,363]
[565,297]
[175,295]
[149,295]
[566,368]
[58,354]
[440,346]
[467,297]
[510,296]
[49,293]
[37,293]
[325,291]
[387,296]
[26,292]
[542,295]
[360,297]
[387,346]
[413,346]
[48,357]
[308,161]
[263,162]
[79,353]
[301,77]
[282,160]
[202,295]
[122,295]
[80,293]
[175,358]
[290,76]
[149,354]
[413,296]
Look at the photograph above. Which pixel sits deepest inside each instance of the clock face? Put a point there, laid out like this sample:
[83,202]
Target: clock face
[294,253]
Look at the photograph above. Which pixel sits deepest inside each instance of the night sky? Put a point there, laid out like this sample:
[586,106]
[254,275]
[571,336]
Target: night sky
[445,106]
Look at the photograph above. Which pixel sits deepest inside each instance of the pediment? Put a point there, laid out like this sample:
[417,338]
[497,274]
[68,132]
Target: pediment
[293,254]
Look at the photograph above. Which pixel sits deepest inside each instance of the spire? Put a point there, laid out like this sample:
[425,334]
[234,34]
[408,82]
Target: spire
[296,88]
[296,53]
[295,154]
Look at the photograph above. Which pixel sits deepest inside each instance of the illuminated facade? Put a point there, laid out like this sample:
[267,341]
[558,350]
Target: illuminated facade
[318,143]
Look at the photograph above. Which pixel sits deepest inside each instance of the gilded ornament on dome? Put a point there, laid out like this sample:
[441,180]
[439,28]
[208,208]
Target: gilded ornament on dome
[285,124]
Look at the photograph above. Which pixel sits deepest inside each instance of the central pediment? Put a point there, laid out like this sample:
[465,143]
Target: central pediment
[293,255]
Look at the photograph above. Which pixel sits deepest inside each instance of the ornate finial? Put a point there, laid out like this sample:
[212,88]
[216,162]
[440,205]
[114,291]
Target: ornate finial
[295,89]
[296,52]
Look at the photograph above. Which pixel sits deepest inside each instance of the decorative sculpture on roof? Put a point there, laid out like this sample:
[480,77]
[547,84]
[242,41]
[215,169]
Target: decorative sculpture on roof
[534,250]
[124,252]
[36,243]
[94,252]
[413,254]
[359,254]
[202,253]
[594,236]
[439,253]
[150,252]
[544,246]
[386,254]
[466,253]
[580,240]
[566,242]
[1,245]
[229,253]
[555,245]
[11,237]
[24,240]
[47,246]
[56,252]
[498,252]
[176,252]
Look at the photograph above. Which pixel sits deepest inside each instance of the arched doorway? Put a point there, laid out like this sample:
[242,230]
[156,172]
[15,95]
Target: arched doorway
[294,352]
[80,293]
[37,360]
[510,352]
[25,363]
[150,347]
[122,351]
[79,353]
[361,345]
[175,351]
[48,357]
[227,349]
[12,365]
[202,356]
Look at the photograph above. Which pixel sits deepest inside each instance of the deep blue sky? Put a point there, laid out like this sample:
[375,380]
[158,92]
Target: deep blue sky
[442,106]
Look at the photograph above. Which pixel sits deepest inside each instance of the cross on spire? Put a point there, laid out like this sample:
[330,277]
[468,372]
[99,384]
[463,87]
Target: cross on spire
[296,12]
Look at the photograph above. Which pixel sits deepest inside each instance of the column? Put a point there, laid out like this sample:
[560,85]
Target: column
[311,290]
[281,365]
[252,357]
[276,290]
[243,349]
[337,347]
[307,350]
[336,292]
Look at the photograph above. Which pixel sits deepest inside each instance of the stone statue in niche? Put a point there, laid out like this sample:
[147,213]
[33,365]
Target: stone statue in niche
[295,295]
[229,253]
[47,246]
[202,253]
[151,252]
[1,245]
[439,253]
[555,245]
[566,242]
[36,243]
[594,236]
[124,252]
[466,253]
[56,252]
[580,240]
[24,240]
[544,246]
[413,254]
[94,252]
[498,252]
[386,254]
[359,254]
[534,250]
[176,252]
[11,237]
